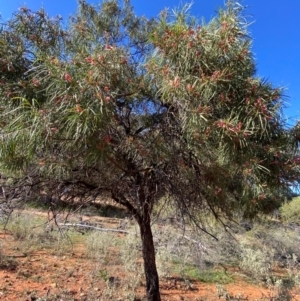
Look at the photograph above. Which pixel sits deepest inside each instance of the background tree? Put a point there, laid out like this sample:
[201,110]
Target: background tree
[144,112]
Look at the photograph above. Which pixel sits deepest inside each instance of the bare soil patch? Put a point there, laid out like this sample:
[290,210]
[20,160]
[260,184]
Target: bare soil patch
[71,273]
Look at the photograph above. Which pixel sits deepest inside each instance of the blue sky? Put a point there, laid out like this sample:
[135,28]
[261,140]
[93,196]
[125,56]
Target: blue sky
[275,32]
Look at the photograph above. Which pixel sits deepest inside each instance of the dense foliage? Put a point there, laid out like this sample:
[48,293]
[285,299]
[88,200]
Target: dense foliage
[142,111]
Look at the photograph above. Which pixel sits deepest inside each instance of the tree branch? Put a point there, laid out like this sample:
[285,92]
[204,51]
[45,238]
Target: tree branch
[93,228]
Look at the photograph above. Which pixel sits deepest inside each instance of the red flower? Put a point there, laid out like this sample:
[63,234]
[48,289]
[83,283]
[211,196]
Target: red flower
[189,87]
[176,82]
[78,108]
[35,82]
[90,60]
[107,139]
[109,47]
[191,32]
[54,130]
[68,77]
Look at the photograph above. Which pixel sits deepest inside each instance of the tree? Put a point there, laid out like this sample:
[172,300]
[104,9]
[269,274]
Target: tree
[142,111]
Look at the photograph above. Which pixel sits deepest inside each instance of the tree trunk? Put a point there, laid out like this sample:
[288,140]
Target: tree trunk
[152,281]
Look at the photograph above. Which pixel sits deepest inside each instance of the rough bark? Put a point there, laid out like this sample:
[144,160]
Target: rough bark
[152,280]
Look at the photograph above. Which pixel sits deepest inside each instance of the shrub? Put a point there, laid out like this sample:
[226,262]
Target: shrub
[99,245]
[290,211]
[256,262]
[30,231]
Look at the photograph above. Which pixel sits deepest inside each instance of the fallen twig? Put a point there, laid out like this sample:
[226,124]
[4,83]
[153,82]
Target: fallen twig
[94,228]
[124,232]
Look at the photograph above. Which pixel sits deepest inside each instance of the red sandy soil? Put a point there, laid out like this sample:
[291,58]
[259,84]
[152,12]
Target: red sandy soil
[44,275]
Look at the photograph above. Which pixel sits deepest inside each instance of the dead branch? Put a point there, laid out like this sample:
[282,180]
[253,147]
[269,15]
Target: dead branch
[93,227]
